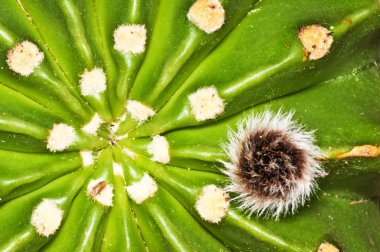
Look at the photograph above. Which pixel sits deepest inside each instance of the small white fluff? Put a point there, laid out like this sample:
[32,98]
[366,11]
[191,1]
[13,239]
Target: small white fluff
[93,82]
[143,189]
[87,158]
[130,153]
[212,204]
[100,191]
[115,125]
[207,15]
[61,137]
[139,111]
[24,58]
[118,169]
[316,39]
[92,126]
[130,38]
[121,137]
[159,149]
[46,217]
[206,103]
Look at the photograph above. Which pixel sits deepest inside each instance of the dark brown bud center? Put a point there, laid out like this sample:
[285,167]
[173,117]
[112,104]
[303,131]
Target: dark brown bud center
[270,164]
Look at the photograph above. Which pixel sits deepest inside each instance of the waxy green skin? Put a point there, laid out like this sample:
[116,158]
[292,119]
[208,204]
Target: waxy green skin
[255,62]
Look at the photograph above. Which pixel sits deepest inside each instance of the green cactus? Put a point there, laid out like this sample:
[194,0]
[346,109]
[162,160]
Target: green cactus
[191,125]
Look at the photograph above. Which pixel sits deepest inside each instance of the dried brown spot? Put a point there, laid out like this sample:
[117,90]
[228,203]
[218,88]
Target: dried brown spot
[112,141]
[305,55]
[347,21]
[320,158]
[98,188]
[358,201]
[362,151]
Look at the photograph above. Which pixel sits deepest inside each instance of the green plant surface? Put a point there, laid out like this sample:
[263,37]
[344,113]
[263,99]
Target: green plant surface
[257,64]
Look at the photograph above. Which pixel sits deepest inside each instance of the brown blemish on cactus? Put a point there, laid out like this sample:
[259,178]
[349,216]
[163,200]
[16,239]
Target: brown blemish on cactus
[348,21]
[327,247]
[362,151]
[361,201]
[316,41]
[98,188]
[305,55]
[112,141]
[101,191]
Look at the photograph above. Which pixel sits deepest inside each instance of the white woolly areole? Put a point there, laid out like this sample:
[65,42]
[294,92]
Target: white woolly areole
[46,217]
[143,189]
[207,15]
[212,204]
[61,137]
[24,58]
[130,38]
[302,187]
[92,126]
[115,125]
[130,153]
[139,111]
[93,82]
[206,103]
[118,169]
[316,39]
[100,191]
[87,158]
[159,149]
[327,247]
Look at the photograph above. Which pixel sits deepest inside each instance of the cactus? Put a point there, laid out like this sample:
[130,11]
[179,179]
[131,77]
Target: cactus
[192,125]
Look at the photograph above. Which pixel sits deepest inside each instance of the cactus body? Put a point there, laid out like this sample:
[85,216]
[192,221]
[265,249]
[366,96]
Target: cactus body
[188,125]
